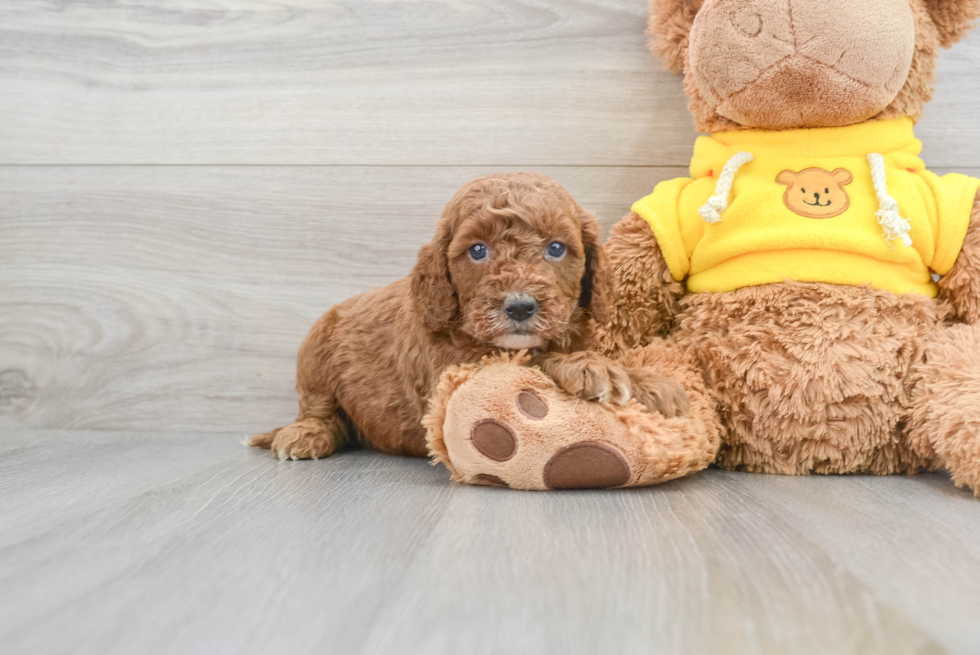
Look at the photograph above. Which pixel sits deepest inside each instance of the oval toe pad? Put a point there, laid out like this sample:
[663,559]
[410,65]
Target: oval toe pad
[494,439]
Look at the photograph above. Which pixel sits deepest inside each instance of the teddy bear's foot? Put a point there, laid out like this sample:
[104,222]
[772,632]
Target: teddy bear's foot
[585,465]
[504,424]
[581,465]
[510,426]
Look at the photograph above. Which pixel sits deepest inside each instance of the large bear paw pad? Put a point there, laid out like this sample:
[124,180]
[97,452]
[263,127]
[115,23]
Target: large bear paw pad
[587,465]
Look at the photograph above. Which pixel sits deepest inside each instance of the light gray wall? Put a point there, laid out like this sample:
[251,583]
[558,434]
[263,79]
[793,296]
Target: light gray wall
[184,189]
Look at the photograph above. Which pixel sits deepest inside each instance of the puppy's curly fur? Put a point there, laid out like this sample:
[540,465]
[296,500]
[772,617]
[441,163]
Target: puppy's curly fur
[368,366]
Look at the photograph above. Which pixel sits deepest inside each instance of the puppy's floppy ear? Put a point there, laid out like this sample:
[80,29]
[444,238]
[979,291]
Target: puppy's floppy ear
[432,289]
[597,288]
[670,26]
[952,18]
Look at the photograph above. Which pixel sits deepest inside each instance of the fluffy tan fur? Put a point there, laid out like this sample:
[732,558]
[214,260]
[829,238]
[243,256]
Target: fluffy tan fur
[818,378]
[811,377]
[945,419]
[435,419]
[648,297]
[822,378]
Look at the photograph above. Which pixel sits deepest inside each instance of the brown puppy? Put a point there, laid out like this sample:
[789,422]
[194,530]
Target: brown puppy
[515,264]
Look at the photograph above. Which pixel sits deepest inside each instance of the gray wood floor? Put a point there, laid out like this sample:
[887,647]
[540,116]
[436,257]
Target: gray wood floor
[186,186]
[185,543]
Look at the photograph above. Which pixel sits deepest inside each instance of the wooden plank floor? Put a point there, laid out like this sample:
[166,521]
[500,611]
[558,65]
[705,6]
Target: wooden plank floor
[186,186]
[117,542]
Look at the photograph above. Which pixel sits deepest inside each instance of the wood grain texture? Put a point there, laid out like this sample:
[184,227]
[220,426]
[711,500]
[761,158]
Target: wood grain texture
[191,543]
[172,298]
[419,82]
[155,298]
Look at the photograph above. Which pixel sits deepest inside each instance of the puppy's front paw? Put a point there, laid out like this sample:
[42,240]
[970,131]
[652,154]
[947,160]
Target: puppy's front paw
[590,376]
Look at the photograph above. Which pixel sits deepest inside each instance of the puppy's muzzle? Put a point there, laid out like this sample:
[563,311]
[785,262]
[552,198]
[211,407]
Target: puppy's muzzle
[520,307]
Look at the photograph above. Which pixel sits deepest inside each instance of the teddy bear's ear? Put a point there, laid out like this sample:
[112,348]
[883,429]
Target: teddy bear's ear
[786,178]
[952,18]
[670,25]
[842,176]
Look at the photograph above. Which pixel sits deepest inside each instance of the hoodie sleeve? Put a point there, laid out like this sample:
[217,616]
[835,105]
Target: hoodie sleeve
[954,195]
[661,209]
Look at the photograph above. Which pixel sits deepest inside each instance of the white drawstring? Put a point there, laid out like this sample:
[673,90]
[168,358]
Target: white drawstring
[894,225]
[891,221]
[712,210]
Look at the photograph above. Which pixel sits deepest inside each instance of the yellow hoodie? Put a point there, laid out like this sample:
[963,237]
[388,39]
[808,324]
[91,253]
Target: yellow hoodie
[850,205]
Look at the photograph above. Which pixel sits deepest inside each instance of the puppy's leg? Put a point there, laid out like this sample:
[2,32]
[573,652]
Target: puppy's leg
[315,434]
[587,375]
[318,431]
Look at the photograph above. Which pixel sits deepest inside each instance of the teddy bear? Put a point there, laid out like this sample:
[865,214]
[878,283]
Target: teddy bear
[811,285]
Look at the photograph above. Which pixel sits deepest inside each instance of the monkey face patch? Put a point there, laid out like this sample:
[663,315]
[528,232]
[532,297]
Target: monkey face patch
[815,192]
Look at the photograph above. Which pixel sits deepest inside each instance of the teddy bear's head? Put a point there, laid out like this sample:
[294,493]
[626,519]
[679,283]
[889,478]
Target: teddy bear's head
[782,64]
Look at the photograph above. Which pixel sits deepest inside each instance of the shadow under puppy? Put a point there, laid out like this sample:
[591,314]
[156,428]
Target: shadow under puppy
[515,264]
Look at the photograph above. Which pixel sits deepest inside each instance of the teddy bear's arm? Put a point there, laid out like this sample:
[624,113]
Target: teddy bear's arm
[961,286]
[646,295]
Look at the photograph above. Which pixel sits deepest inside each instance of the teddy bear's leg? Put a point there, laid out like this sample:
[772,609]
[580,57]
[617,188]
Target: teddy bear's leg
[502,423]
[945,418]
[669,386]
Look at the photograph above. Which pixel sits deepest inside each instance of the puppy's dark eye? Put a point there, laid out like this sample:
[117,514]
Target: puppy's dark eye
[827,191]
[478,252]
[555,250]
[803,190]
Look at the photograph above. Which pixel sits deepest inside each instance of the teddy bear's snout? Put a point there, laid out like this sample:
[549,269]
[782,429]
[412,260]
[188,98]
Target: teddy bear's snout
[787,64]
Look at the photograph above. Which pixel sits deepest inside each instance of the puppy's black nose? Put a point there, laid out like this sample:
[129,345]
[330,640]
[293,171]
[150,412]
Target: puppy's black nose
[520,308]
